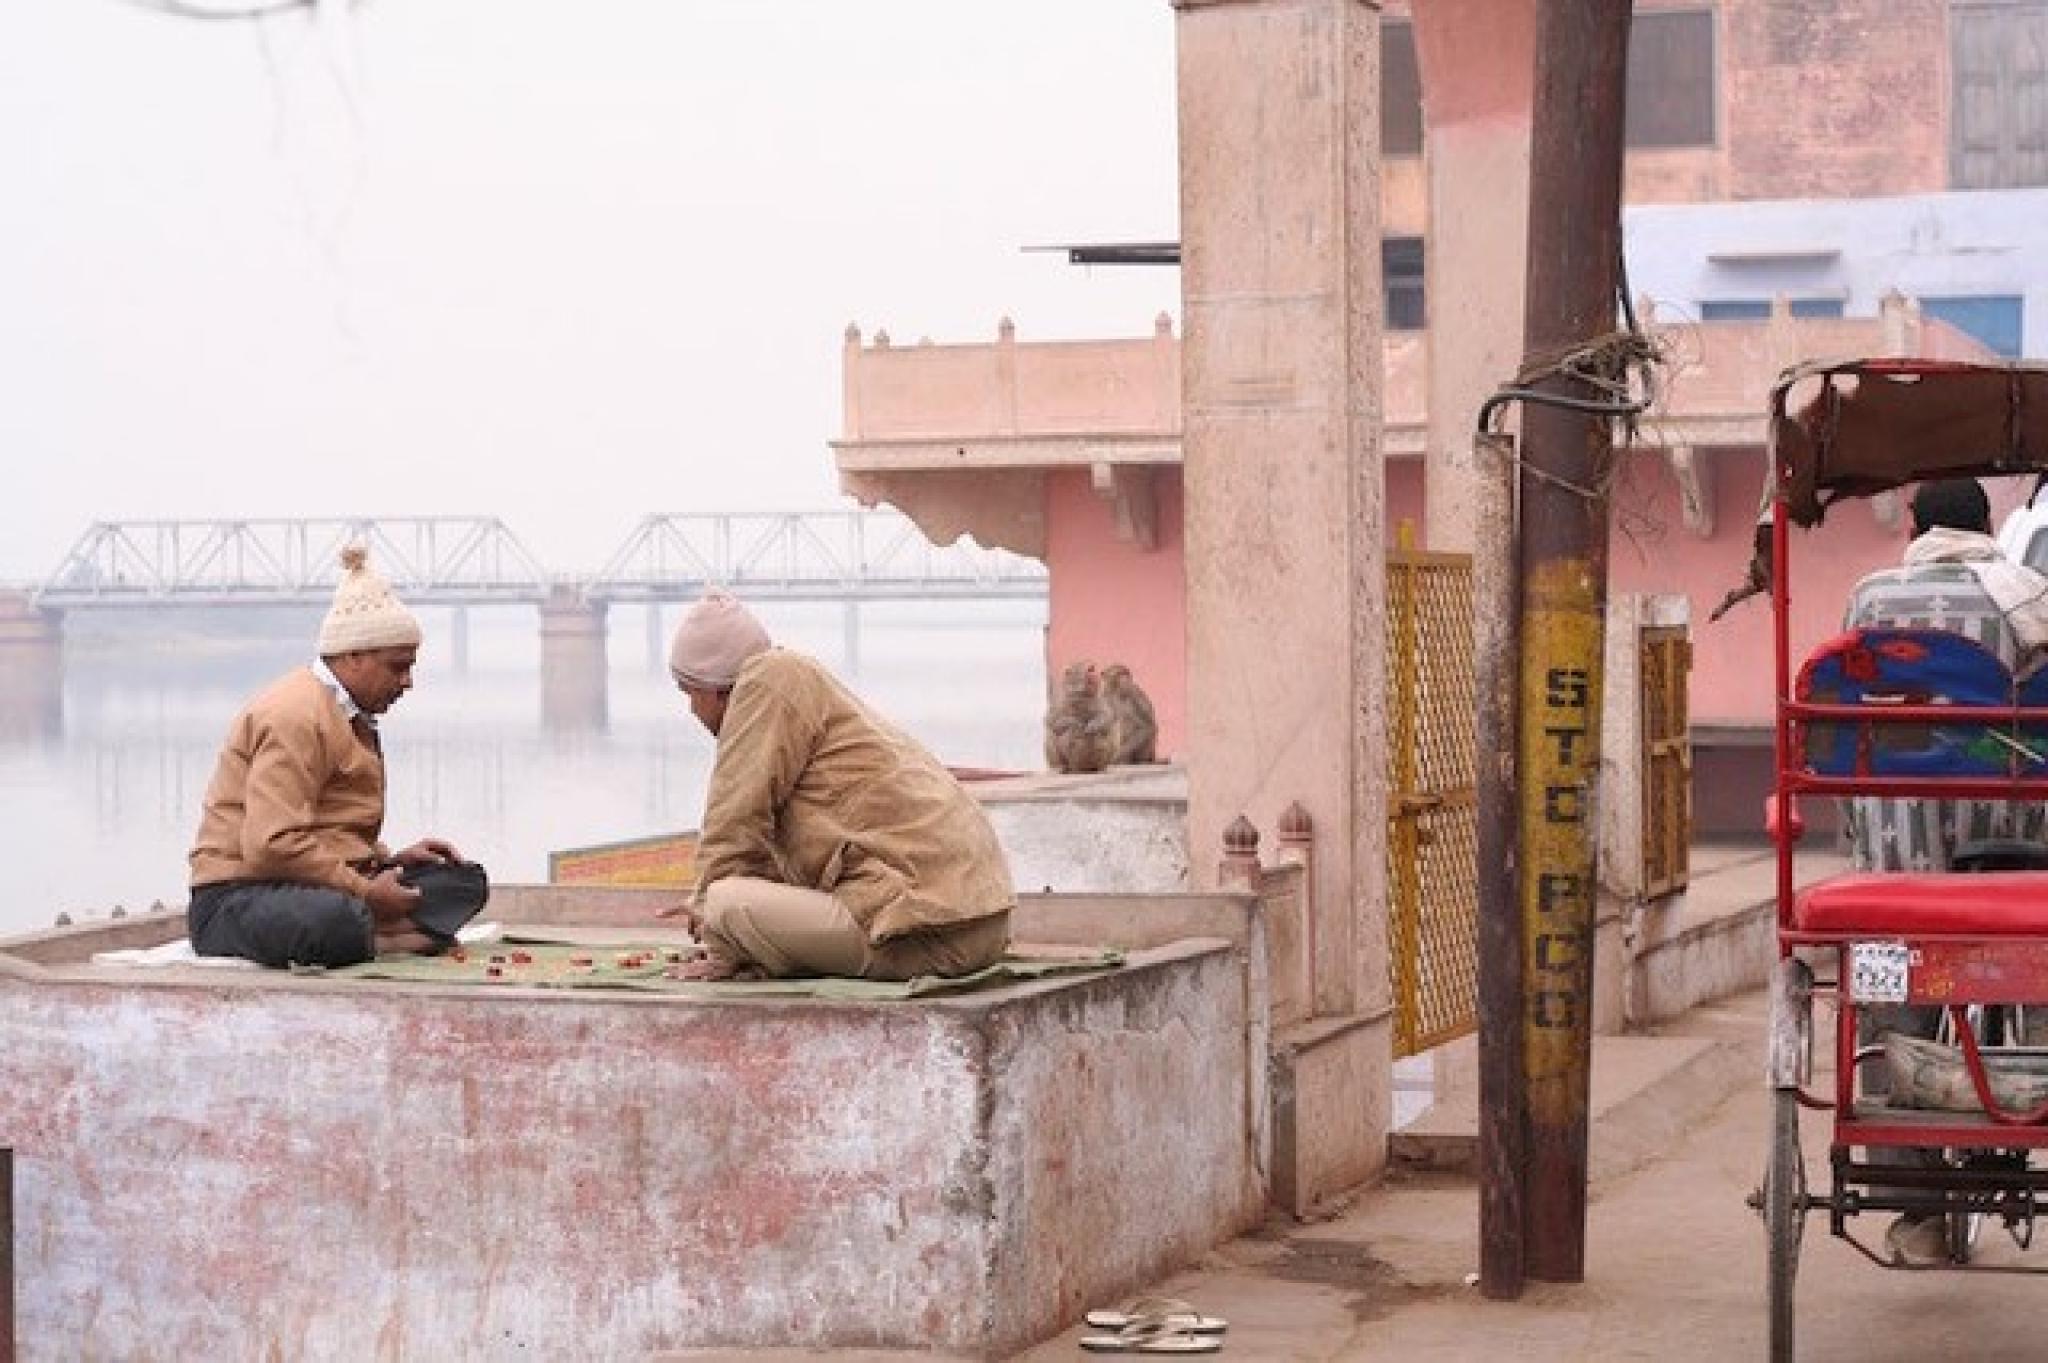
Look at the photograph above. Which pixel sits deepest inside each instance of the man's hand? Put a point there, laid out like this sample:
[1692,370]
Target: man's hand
[390,900]
[427,850]
[685,909]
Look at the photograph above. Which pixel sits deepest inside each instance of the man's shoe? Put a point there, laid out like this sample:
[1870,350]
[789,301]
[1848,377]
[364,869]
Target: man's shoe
[1917,1241]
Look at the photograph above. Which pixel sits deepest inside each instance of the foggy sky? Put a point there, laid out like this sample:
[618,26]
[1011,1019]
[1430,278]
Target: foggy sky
[563,262]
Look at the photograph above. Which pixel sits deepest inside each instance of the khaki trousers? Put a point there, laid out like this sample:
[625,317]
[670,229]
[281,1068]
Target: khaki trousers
[789,931]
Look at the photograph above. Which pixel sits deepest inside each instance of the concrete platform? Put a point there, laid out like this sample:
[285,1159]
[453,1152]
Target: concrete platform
[233,1165]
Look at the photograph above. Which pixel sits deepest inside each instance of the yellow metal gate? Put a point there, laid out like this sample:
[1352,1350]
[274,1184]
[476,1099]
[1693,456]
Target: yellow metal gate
[1432,823]
[1665,658]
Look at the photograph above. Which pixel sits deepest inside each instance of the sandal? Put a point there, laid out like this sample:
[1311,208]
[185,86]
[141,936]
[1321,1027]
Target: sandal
[1154,1336]
[1172,1310]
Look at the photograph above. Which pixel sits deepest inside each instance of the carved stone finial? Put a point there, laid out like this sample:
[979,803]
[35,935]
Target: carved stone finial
[63,920]
[853,333]
[1240,868]
[1295,824]
[120,911]
[1162,325]
[1240,839]
[1006,330]
[881,340]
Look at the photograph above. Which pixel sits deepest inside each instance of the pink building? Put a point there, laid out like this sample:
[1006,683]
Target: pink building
[1070,451]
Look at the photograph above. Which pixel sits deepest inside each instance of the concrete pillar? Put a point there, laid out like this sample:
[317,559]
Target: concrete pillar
[458,632]
[1477,60]
[572,662]
[1621,808]
[657,641]
[31,670]
[850,621]
[1282,370]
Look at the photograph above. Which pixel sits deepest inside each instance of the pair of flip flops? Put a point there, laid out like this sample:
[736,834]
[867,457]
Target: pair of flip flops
[1155,1325]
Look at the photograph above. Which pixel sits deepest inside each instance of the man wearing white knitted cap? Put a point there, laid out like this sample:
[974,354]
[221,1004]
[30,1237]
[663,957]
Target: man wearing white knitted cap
[287,868]
[833,843]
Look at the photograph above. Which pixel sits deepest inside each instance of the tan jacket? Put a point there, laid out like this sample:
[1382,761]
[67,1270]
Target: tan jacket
[295,796]
[812,788]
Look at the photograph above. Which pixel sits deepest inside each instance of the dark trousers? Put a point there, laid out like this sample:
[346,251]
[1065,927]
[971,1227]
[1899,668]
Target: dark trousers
[278,924]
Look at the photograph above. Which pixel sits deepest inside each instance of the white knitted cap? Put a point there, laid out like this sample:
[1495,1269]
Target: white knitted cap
[365,614]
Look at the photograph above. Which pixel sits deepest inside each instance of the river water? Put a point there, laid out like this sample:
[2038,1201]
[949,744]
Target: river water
[102,811]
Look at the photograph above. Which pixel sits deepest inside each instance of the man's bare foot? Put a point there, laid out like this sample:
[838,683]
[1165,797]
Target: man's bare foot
[707,967]
[394,943]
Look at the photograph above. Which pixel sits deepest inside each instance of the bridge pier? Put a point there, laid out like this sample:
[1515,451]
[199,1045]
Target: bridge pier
[31,669]
[572,662]
[458,633]
[657,646]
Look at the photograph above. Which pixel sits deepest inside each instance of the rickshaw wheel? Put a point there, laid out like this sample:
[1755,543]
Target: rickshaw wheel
[1784,1216]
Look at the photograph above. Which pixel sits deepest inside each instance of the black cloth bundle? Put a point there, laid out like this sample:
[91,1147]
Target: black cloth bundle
[451,893]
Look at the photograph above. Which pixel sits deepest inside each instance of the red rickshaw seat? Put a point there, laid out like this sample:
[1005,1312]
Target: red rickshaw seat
[1926,904]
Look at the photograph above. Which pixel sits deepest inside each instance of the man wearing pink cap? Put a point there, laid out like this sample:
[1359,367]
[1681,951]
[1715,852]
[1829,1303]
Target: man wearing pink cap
[833,843]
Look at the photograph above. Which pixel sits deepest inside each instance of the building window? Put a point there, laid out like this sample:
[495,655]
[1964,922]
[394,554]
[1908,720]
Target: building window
[1670,79]
[1756,309]
[1401,271]
[1994,320]
[1998,129]
[1400,90]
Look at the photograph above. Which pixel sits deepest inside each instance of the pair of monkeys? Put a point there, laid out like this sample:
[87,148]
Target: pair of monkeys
[1097,720]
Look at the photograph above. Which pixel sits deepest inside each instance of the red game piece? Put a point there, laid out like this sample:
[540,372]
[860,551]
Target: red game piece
[522,958]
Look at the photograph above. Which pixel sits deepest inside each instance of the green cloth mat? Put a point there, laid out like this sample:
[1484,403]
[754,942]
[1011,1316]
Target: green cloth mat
[550,965]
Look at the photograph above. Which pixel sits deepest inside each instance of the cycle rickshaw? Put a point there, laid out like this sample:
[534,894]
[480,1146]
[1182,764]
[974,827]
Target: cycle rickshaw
[1912,714]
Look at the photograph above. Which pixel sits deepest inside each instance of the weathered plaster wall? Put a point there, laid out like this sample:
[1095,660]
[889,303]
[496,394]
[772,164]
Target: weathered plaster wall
[1082,1133]
[1090,845]
[1478,75]
[276,1167]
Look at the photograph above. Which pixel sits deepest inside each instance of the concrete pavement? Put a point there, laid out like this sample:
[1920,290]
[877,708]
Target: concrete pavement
[1675,1263]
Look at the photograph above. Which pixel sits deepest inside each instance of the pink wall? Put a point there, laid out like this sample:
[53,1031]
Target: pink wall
[1114,602]
[1731,668]
[1405,500]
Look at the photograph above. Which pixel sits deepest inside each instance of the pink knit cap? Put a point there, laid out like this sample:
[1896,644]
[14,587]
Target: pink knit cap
[716,636]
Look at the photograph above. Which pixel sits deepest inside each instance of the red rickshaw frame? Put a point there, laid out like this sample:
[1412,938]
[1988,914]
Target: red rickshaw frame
[1847,429]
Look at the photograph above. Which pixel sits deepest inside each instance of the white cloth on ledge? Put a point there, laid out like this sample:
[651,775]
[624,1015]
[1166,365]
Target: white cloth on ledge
[177,952]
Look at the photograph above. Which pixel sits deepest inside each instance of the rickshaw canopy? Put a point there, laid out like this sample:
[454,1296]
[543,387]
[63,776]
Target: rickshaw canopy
[1853,428]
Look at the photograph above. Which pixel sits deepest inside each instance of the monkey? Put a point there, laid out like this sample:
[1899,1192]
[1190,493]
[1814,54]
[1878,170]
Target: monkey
[1080,732]
[1136,728]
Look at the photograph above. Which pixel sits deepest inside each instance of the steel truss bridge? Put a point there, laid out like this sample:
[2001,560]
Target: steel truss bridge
[848,556]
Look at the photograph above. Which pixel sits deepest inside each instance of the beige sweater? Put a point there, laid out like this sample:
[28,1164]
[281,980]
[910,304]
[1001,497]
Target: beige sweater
[295,796]
[811,788]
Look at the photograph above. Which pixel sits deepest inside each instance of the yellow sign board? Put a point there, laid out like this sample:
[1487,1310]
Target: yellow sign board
[666,859]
